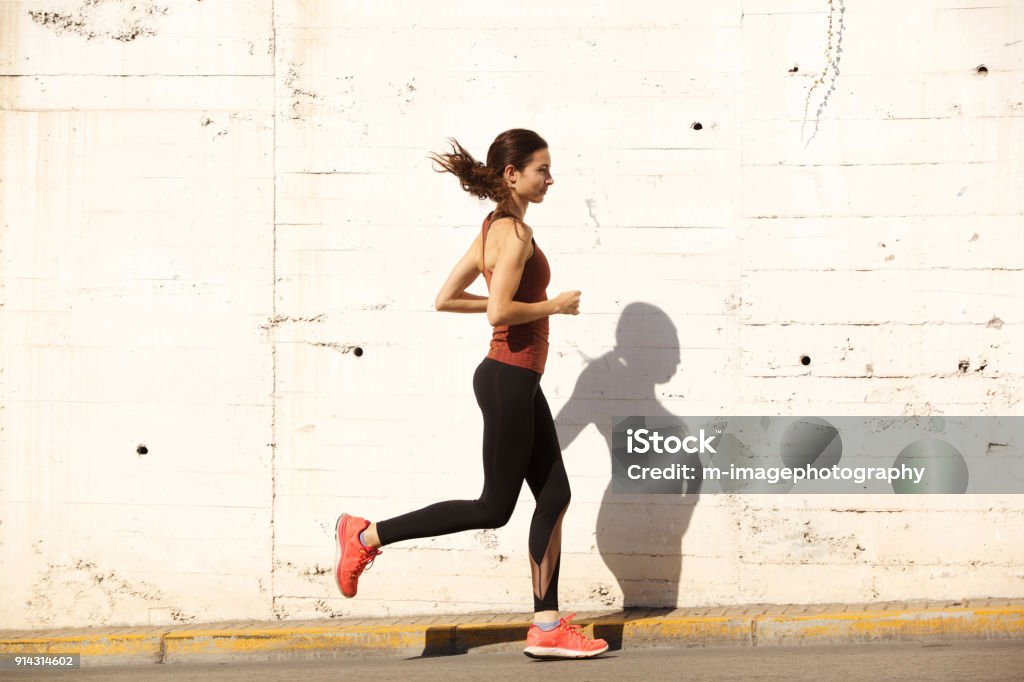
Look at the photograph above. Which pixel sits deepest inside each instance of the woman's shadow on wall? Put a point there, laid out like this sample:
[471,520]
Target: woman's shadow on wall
[639,536]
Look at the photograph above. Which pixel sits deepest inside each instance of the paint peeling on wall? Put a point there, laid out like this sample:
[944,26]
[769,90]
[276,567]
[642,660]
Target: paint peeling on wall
[323,608]
[300,97]
[179,616]
[82,592]
[343,348]
[281,319]
[604,594]
[487,538]
[113,19]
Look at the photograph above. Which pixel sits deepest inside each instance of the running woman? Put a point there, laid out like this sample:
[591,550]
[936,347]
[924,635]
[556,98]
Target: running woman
[519,433]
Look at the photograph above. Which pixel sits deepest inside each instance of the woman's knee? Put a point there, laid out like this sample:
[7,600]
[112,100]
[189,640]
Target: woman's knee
[494,515]
[555,502]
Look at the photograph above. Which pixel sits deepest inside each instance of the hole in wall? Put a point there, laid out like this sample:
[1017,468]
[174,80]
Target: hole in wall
[805,360]
[358,352]
[142,450]
[794,69]
[982,69]
[696,125]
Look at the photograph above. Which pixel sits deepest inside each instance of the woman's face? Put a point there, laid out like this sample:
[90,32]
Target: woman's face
[534,180]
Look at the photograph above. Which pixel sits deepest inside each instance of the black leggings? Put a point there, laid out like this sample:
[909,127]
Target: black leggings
[519,444]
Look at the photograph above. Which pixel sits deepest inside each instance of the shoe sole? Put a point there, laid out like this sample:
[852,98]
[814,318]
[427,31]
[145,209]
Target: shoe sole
[551,653]
[339,553]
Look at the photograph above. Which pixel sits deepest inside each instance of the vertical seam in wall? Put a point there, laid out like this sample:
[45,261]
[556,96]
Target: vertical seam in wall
[733,502]
[741,219]
[273,314]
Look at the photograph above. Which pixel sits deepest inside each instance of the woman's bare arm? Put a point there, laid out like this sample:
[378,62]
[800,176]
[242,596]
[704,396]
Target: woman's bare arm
[453,297]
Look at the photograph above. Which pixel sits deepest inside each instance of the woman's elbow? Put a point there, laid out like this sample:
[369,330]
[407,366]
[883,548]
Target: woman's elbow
[495,317]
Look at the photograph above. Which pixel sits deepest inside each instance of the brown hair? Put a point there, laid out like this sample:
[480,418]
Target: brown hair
[486,181]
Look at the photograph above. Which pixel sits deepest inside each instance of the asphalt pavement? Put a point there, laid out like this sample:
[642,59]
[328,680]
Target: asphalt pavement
[961,660]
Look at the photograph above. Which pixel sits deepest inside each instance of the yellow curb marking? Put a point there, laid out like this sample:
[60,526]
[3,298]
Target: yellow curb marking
[938,621]
[954,620]
[87,645]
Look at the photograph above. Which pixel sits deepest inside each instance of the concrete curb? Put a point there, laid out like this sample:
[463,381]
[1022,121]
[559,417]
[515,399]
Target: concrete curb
[949,623]
[106,649]
[737,626]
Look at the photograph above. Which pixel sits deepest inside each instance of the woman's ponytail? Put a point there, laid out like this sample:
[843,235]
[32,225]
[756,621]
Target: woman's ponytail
[474,176]
[486,181]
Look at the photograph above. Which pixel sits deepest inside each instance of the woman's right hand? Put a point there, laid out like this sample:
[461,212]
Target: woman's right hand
[567,303]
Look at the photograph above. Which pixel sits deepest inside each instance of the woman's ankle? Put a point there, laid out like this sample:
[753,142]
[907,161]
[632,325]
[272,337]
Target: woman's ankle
[369,537]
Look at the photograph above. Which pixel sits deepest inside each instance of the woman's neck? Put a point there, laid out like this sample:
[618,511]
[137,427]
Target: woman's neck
[518,207]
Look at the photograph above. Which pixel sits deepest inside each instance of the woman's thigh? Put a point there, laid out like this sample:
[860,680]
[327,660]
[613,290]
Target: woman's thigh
[545,473]
[506,397]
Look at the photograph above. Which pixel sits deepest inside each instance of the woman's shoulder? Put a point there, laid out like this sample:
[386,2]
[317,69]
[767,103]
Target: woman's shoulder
[508,225]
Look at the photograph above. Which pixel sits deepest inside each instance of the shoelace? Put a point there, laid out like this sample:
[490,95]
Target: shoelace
[574,630]
[365,560]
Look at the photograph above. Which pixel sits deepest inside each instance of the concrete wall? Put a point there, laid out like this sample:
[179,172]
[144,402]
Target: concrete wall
[221,239]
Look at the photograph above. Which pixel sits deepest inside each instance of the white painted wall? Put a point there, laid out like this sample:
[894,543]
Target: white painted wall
[207,206]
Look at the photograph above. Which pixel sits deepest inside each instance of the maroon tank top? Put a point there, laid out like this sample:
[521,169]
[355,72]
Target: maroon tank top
[522,345]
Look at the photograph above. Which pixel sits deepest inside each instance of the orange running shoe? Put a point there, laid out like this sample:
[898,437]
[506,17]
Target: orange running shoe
[351,557]
[565,641]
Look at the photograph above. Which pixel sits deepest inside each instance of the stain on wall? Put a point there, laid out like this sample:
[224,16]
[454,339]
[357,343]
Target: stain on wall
[104,19]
